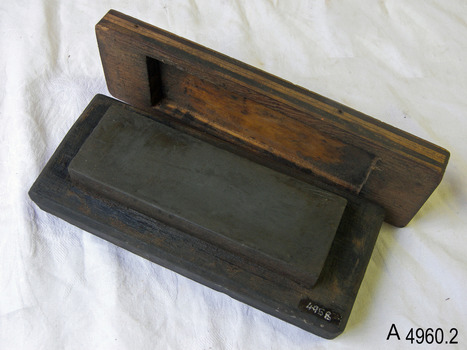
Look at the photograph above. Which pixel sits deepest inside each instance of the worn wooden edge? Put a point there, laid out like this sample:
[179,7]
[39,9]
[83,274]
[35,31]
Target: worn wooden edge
[335,290]
[420,164]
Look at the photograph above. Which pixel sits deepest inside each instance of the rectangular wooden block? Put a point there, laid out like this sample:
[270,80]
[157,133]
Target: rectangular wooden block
[331,144]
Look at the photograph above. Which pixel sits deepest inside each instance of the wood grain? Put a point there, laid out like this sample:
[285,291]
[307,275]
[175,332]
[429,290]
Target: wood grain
[328,142]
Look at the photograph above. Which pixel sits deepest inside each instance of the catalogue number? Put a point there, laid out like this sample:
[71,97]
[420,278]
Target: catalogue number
[425,336]
[326,314]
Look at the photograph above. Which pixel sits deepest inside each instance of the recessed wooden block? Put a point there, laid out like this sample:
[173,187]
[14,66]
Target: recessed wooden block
[272,219]
[329,142]
[323,309]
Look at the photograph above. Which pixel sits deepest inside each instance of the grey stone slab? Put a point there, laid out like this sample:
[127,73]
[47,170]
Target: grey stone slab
[273,219]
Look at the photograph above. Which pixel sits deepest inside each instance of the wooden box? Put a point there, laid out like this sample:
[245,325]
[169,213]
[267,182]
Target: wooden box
[233,177]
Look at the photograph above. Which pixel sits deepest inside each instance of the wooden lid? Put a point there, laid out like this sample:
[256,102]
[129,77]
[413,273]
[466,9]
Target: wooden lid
[326,142]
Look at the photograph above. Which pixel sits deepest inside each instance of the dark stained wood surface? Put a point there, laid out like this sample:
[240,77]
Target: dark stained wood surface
[323,309]
[329,143]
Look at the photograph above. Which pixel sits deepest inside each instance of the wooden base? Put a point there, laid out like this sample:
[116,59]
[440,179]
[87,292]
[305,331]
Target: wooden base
[323,309]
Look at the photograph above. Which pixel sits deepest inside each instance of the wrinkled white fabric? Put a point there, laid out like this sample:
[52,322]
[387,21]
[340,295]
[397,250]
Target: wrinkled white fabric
[403,62]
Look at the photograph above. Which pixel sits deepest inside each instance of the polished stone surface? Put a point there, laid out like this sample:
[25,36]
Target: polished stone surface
[275,220]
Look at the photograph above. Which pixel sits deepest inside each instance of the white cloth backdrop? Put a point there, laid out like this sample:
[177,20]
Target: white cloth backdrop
[403,62]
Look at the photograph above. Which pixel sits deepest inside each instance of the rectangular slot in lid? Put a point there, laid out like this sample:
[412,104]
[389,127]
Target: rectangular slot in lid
[240,119]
